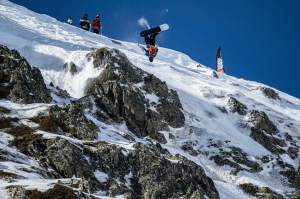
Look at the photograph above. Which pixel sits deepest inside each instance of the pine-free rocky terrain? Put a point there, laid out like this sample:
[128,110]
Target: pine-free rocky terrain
[85,116]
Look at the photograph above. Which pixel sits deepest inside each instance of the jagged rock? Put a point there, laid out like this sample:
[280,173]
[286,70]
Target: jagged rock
[293,152]
[171,136]
[289,138]
[295,179]
[65,65]
[20,82]
[234,172]
[73,68]
[236,106]
[222,109]
[147,165]
[180,180]
[263,124]
[68,160]
[296,195]
[267,193]
[261,121]
[59,92]
[8,179]
[108,107]
[265,159]
[128,137]
[270,143]
[260,192]
[72,120]
[116,42]
[269,93]
[215,74]
[20,193]
[188,147]
[127,88]
[221,162]
[239,157]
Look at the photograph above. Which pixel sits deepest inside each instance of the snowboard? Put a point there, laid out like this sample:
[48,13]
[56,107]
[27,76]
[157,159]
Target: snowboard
[157,29]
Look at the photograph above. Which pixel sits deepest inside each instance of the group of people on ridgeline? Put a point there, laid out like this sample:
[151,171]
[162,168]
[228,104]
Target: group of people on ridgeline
[84,23]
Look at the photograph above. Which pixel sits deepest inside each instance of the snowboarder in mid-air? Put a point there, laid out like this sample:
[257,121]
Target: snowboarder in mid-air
[70,21]
[152,46]
[96,24]
[84,23]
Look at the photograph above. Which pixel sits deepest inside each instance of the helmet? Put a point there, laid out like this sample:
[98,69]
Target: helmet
[70,20]
[98,16]
[151,59]
[85,15]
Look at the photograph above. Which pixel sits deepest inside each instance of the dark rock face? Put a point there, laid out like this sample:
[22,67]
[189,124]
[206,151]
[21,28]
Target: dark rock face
[20,82]
[73,121]
[60,92]
[260,192]
[188,147]
[152,175]
[263,124]
[20,193]
[236,106]
[215,74]
[144,172]
[130,91]
[295,179]
[269,93]
[73,68]
[239,157]
[68,160]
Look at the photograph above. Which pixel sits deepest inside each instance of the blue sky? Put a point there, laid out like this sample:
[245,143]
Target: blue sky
[259,38]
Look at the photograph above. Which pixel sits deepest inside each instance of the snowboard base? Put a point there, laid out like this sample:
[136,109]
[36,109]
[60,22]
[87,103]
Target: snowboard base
[157,29]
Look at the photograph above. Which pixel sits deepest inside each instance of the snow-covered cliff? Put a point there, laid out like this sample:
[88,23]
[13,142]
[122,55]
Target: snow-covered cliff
[237,131]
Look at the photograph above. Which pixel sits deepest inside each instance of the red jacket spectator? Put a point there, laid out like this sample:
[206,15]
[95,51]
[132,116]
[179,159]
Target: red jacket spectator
[96,24]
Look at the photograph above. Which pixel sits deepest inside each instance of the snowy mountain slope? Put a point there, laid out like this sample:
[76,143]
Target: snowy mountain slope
[49,45]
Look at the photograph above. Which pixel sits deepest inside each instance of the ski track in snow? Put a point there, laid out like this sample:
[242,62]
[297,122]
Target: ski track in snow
[48,44]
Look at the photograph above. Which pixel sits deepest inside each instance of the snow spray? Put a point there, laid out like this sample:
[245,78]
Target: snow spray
[143,22]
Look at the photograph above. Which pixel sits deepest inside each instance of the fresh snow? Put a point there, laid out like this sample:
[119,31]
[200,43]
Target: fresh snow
[49,44]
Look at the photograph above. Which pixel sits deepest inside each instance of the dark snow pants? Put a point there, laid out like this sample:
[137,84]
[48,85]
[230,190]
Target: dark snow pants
[96,31]
[151,40]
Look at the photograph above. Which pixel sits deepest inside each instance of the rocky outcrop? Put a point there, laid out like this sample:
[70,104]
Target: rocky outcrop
[215,74]
[69,120]
[20,193]
[262,121]
[295,179]
[260,192]
[261,126]
[269,93]
[59,92]
[151,174]
[145,172]
[239,158]
[20,82]
[143,100]
[68,160]
[236,106]
[73,68]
